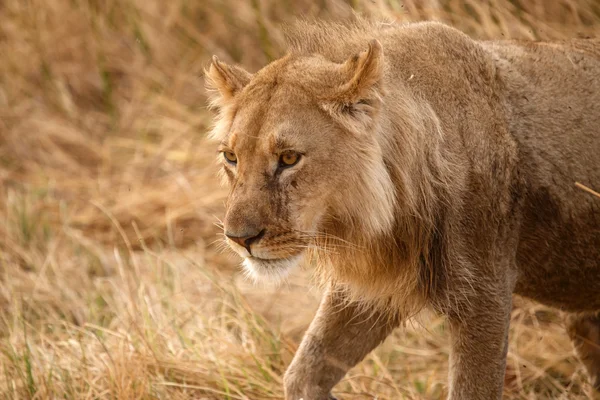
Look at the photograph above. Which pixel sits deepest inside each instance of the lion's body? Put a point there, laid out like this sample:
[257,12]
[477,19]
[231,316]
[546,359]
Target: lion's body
[458,187]
[554,93]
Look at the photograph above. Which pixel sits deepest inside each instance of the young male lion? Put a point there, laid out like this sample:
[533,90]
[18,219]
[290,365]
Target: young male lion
[419,168]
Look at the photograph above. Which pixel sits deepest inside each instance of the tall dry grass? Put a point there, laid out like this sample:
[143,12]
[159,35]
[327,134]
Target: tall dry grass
[111,285]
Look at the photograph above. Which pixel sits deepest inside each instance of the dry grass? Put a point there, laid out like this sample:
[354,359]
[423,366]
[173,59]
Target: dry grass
[111,285]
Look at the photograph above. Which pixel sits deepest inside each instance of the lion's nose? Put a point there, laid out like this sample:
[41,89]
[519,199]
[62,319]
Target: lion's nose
[246,240]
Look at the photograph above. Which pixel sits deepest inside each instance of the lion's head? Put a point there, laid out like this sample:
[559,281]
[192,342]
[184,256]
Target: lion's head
[296,146]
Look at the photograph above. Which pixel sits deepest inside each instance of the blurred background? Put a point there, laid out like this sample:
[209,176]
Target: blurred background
[113,281]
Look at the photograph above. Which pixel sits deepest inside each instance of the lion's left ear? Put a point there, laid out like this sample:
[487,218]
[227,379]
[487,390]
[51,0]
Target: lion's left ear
[359,94]
[226,80]
[363,73]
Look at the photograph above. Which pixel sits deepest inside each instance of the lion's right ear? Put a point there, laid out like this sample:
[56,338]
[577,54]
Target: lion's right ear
[225,81]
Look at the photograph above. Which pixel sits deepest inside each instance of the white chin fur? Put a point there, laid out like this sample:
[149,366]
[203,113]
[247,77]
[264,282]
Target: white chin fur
[270,270]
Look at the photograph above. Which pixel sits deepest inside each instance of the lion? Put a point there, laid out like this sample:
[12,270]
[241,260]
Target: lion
[417,168]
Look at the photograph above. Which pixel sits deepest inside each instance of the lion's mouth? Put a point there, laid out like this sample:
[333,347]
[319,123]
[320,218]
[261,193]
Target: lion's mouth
[260,259]
[270,269]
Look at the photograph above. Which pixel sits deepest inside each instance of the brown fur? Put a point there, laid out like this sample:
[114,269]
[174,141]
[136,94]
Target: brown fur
[437,171]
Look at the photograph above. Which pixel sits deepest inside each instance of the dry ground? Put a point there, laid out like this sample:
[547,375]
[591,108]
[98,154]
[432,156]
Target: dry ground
[111,284]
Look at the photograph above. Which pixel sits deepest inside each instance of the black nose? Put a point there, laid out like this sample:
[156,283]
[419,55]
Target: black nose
[246,240]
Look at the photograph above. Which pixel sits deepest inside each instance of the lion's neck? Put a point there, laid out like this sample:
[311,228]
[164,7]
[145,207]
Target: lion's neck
[403,264]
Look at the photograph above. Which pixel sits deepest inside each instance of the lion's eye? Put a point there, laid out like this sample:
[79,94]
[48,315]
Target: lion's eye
[230,157]
[288,159]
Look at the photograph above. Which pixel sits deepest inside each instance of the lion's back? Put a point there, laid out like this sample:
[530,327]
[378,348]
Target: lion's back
[552,92]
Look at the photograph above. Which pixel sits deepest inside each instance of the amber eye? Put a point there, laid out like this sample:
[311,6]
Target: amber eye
[230,157]
[288,159]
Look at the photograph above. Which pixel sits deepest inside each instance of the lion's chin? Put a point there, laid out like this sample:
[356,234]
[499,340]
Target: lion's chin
[263,270]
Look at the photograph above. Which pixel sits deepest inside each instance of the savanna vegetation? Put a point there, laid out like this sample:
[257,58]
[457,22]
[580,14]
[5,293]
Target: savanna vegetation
[113,280]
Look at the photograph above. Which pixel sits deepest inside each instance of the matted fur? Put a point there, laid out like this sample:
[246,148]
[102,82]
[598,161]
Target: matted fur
[435,171]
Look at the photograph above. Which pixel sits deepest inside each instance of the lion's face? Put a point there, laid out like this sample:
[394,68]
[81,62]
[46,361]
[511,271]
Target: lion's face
[284,170]
[295,167]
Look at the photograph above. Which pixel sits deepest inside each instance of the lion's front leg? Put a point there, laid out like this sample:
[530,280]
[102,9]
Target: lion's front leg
[339,337]
[480,344]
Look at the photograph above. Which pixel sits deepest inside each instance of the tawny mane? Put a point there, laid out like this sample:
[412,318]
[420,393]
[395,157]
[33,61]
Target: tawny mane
[401,268]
